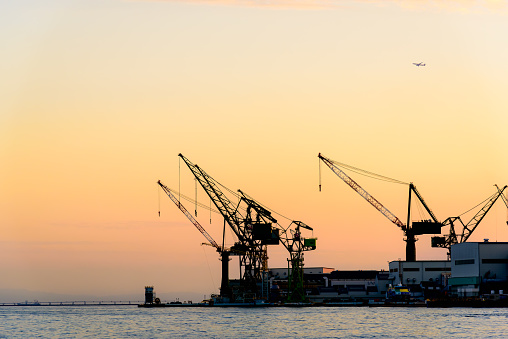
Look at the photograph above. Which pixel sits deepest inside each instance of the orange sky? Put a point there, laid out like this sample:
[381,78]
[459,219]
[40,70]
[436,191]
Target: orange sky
[99,97]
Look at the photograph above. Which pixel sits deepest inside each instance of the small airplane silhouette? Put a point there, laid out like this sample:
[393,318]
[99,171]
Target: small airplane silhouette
[418,64]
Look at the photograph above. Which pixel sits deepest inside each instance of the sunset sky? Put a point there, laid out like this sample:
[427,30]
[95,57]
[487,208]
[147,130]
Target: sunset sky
[98,97]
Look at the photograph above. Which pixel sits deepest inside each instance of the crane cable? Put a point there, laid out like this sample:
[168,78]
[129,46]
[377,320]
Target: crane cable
[505,200]
[243,208]
[192,200]
[420,210]
[239,198]
[209,268]
[248,196]
[266,207]
[472,208]
[159,198]
[319,160]
[179,177]
[367,173]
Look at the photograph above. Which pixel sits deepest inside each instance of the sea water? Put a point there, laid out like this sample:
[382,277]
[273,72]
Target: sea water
[277,322]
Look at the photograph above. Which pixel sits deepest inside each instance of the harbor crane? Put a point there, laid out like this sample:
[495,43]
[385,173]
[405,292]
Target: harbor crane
[292,239]
[225,289]
[296,245]
[254,231]
[467,229]
[410,229]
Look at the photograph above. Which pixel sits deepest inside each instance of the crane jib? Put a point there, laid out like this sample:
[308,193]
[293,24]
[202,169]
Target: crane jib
[354,185]
[219,199]
[189,216]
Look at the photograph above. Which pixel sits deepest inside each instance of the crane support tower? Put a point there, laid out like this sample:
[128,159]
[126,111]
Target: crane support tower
[467,229]
[292,239]
[296,245]
[410,229]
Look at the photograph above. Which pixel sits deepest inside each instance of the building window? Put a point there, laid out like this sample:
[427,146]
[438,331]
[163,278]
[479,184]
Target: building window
[411,269]
[435,269]
[394,270]
[494,261]
[464,262]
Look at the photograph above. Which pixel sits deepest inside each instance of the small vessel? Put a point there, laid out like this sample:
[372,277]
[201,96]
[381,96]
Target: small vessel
[401,296]
[398,293]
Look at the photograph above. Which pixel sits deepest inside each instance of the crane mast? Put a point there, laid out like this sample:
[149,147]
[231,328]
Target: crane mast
[296,245]
[412,187]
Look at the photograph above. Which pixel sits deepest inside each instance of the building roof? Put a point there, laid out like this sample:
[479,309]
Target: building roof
[419,261]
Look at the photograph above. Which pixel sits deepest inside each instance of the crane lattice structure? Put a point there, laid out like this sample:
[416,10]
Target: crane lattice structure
[467,229]
[253,231]
[292,239]
[296,245]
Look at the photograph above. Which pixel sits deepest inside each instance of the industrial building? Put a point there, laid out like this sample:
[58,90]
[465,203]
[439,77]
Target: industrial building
[425,278]
[278,273]
[479,268]
[475,269]
[324,284]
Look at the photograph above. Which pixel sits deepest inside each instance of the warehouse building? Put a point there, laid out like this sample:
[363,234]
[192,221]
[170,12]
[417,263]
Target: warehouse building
[479,268]
[323,284]
[425,278]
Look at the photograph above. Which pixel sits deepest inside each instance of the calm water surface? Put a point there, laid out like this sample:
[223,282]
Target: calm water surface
[344,322]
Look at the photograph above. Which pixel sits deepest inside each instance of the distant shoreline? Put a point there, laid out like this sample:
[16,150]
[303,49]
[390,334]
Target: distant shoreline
[72,303]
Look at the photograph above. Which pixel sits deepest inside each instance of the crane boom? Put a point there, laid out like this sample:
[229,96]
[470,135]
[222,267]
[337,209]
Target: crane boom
[354,185]
[189,216]
[467,229]
[251,244]
[220,200]
[475,221]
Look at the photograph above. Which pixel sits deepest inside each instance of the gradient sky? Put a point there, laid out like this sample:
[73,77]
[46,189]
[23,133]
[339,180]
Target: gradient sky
[97,98]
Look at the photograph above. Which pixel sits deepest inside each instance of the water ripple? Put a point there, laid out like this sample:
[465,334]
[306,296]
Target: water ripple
[342,322]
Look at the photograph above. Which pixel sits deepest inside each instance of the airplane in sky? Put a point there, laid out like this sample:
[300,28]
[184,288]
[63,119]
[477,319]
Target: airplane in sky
[418,64]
